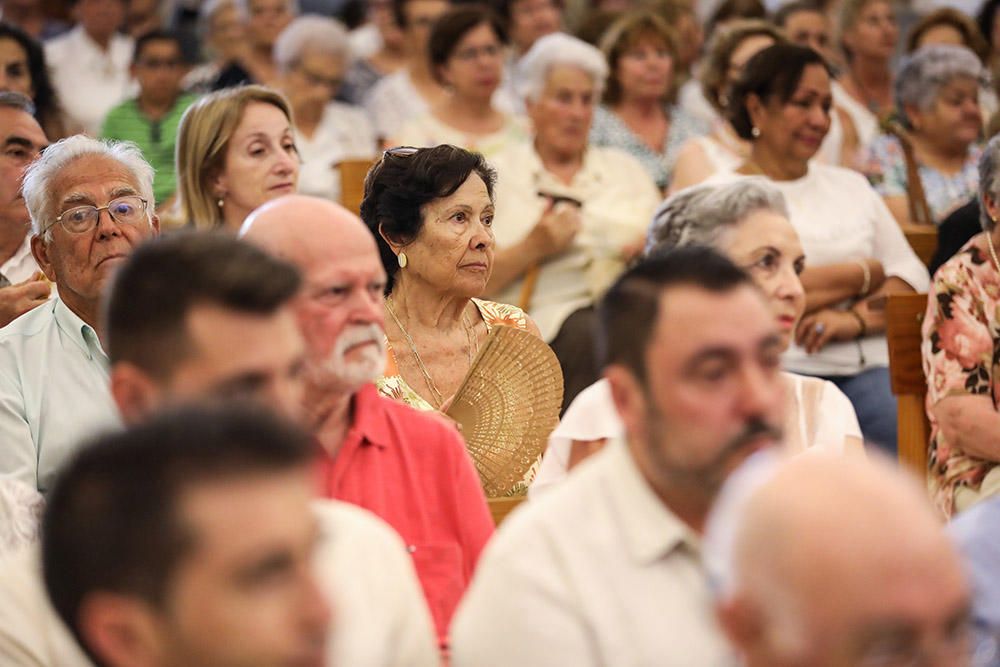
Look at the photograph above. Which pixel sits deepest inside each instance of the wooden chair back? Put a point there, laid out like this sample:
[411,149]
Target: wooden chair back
[352,182]
[501,507]
[904,316]
[923,239]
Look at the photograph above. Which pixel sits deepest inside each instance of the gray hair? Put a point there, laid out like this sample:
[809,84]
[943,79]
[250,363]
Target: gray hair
[42,173]
[243,6]
[559,49]
[701,214]
[311,33]
[989,181]
[924,72]
[18,101]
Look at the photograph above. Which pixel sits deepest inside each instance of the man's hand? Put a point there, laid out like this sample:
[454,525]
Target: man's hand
[556,230]
[16,300]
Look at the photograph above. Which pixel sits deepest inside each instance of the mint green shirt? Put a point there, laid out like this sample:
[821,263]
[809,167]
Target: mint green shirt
[54,392]
[156,139]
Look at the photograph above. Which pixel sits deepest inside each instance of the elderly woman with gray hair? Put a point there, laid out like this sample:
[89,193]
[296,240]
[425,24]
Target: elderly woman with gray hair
[936,139]
[568,215]
[961,353]
[747,221]
[312,55]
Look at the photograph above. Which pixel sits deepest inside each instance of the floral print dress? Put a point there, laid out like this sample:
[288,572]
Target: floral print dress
[961,352]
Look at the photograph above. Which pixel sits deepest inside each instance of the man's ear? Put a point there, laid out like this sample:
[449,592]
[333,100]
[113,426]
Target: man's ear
[40,251]
[629,397]
[120,629]
[135,393]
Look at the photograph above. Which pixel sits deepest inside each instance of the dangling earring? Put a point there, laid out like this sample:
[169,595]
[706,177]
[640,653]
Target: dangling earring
[401,258]
[755,132]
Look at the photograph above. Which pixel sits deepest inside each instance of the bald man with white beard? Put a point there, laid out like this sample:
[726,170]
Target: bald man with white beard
[409,468]
[833,562]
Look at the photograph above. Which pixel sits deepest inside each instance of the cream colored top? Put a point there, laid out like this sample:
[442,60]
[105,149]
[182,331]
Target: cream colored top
[597,572]
[380,619]
[618,197]
[428,130]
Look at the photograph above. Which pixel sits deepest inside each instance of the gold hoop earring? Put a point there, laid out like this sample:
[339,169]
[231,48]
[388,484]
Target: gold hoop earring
[401,258]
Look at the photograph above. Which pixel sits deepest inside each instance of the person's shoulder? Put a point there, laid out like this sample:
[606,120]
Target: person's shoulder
[431,426]
[971,256]
[29,324]
[354,525]
[503,314]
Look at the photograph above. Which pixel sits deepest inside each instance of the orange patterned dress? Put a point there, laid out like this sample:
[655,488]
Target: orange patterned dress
[392,385]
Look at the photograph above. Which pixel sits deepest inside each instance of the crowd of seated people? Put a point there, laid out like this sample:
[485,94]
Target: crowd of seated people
[228,364]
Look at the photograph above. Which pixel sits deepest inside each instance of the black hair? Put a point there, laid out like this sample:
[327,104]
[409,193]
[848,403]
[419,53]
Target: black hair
[112,520]
[628,312]
[47,108]
[164,278]
[403,181]
[452,26]
[775,72]
[156,36]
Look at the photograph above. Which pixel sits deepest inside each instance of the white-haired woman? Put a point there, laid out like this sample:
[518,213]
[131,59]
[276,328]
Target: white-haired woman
[961,335]
[312,55]
[937,99]
[568,215]
[748,222]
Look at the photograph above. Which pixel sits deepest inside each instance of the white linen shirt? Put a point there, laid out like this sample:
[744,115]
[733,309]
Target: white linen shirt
[21,265]
[840,218]
[344,132]
[618,197]
[54,392]
[89,80]
[597,572]
[380,617]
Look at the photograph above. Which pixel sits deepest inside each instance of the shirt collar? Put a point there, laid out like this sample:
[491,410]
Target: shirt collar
[369,423]
[78,331]
[589,174]
[652,532]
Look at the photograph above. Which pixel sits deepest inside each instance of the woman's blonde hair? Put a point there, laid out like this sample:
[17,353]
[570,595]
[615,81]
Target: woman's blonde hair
[202,140]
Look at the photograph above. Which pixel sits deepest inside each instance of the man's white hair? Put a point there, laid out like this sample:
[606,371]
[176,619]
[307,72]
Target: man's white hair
[555,50]
[311,33]
[42,173]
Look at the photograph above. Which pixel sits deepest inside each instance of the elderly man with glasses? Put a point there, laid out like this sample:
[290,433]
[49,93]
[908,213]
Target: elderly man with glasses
[90,203]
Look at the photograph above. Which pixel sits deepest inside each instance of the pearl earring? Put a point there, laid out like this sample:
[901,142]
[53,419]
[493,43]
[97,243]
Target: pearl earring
[401,258]
[755,132]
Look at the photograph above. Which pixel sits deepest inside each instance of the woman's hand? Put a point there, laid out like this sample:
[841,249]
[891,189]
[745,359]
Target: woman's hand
[819,328]
[557,228]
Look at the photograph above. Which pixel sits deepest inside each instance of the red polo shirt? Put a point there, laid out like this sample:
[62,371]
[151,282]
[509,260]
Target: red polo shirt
[413,471]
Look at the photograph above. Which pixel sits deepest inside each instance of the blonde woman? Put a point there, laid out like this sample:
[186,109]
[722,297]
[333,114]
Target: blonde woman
[235,151]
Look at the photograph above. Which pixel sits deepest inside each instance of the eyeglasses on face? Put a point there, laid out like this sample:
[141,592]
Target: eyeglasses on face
[128,210]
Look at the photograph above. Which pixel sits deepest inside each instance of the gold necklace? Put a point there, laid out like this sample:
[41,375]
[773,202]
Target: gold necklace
[993,251]
[416,356]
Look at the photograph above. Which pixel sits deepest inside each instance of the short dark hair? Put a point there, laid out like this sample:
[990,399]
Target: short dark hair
[628,312]
[403,181]
[452,26]
[166,277]
[775,72]
[156,35]
[47,107]
[111,521]
[780,17]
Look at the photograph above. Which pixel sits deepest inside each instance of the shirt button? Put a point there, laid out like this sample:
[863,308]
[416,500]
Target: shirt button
[412,548]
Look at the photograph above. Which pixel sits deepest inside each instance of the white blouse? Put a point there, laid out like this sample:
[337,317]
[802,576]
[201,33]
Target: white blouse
[818,415]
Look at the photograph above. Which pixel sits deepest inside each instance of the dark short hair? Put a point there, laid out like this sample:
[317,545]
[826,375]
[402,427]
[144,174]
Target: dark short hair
[46,101]
[112,521]
[155,36]
[164,278]
[775,72]
[452,26]
[780,17]
[628,312]
[403,181]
